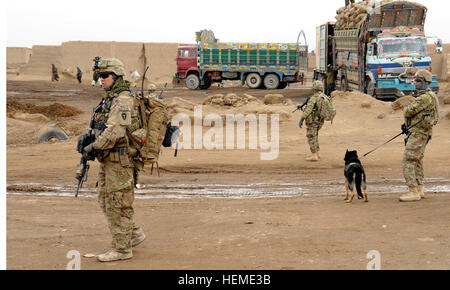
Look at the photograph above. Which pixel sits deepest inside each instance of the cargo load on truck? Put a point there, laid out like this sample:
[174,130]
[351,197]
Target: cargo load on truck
[374,47]
[259,65]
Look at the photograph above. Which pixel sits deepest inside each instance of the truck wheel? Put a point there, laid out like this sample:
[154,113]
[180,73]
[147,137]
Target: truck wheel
[206,86]
[192,82]
[370,88]
[53,134]
[254,80]
[271,81]
[282,85]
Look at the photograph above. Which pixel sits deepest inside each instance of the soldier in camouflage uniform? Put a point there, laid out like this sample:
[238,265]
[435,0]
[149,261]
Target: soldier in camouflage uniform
[151,89]
[117,118]
[313,122]
[424,107]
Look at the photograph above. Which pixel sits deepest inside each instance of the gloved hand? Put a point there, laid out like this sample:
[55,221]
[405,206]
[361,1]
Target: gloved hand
[82,140]
[405,129]
[300,124]
[88,152]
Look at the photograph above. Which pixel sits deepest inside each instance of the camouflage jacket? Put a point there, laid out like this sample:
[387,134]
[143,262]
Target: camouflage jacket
[426,103]
[310,113]
[119,114]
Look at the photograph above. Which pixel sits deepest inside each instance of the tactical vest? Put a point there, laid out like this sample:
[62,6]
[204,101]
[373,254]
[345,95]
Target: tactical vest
[426,126]
[100,119]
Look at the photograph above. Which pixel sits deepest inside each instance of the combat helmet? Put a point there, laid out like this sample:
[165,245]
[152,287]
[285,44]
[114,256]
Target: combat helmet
[110,65]
[151,87]
[318,86]
[424,74]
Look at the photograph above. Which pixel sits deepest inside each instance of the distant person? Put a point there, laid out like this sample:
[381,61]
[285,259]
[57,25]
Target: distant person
[55,76]
[79,74]
[439,45]
[313,121]
[331,78]
[151,90]
[135,77]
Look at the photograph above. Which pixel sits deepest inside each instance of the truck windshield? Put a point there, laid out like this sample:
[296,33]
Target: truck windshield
[401,47]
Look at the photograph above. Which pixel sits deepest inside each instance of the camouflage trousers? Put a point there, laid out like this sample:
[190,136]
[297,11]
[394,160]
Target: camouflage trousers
[412,162]
[116,196]
[312,134]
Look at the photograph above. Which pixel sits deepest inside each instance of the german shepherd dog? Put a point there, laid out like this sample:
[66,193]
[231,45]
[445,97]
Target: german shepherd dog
[354,174]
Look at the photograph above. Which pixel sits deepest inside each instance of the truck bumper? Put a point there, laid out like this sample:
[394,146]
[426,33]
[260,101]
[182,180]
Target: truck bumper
[394,88]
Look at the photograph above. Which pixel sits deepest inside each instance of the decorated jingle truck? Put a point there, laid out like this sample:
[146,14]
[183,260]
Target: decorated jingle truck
[259,65]
[375,48]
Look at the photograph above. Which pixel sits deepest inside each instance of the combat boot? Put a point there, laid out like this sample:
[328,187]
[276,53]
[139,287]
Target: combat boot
[314,157]
[412,195]
[114,255]
[420,190]
[318,155]
[137,237]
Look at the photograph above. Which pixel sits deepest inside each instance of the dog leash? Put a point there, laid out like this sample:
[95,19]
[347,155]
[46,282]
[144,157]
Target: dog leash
[403,132]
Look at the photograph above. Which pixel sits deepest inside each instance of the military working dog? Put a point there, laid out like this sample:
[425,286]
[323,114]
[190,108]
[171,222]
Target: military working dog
[354,174]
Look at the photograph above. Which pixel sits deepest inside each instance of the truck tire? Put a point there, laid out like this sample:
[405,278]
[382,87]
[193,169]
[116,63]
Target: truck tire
[370,88]
[207,84]
[193,82]
[271,81]
[57,134]
[282,85]
[254,80]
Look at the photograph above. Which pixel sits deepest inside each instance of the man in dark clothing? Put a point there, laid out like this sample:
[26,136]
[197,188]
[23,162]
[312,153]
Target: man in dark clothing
[79,74]
[55,76]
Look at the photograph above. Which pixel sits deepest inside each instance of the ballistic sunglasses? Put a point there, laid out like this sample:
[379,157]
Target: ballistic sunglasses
[104,75]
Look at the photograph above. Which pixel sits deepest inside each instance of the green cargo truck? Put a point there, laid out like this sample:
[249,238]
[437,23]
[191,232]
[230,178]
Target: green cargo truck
[259,65]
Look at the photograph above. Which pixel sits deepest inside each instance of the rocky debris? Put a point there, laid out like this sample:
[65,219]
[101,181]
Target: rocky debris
[447,100]
[273,99]
[366,105]
[381,116]
[230,100]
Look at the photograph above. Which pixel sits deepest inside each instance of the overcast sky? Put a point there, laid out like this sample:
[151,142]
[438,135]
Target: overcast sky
[51,22]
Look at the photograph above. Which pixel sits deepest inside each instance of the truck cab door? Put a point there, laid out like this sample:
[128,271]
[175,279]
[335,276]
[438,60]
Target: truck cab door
[186,58]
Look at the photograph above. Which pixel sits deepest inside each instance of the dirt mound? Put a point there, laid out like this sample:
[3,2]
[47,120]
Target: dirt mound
[53,111]
[38,118]
[398,104]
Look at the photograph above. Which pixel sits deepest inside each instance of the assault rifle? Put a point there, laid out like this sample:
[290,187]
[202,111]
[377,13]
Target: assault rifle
[302,106]
[162,91]
[405,131]
[83,141]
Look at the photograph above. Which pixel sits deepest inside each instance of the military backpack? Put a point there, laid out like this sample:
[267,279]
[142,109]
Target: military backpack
[325,108]
[155,129]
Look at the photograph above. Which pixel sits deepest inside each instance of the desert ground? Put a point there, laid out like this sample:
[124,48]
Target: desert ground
[228,209]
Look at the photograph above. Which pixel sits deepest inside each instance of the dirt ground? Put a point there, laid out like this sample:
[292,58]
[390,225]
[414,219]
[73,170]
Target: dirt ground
[228,209]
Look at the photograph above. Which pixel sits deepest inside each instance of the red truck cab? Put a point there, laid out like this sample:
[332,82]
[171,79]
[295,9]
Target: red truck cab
[186,60]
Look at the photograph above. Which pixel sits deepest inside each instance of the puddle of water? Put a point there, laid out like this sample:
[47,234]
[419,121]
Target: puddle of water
[236,191]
